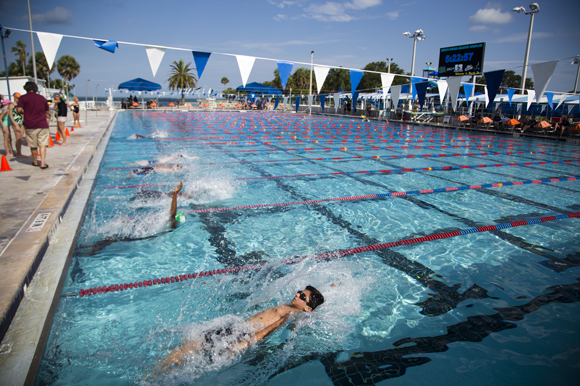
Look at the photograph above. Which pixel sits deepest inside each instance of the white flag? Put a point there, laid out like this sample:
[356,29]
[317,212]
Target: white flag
[245,63]
[155,55]
[50,44]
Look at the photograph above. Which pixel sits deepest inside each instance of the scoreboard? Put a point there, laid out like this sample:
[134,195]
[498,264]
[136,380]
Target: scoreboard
[461,60]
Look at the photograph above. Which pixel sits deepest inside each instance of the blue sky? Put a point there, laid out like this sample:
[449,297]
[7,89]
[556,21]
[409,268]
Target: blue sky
[341,33]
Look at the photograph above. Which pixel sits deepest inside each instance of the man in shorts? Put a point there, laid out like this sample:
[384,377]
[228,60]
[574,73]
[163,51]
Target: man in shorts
[263,324]
[62,111]
[34,108]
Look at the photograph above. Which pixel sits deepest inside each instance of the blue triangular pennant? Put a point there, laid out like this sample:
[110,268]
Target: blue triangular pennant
[354,100]
[468,87]
[109,45]
[284,69]
[355,77]
[297,103]
[200,59]
[322,101]
[276,104]
[511,92]
[550,96]
[493,80]
[421,92]
[340,90]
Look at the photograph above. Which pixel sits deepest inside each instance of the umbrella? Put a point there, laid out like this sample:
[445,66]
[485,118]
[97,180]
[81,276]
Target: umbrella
[485,120]
[512,122]
[577,127]
[171,104]
[463,118]
[543,124]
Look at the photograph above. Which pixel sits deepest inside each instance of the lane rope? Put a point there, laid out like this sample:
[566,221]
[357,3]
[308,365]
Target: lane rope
[323,256]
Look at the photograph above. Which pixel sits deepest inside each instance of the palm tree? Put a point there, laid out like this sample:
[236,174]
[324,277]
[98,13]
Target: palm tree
[68,68]
[181,78]
[42,70]
[21,54]
[225,81]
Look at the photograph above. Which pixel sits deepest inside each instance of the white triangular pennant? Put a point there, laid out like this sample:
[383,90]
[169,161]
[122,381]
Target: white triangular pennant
[486,96]
[454,83]
[50,44]
[387,81]
[285,101]
[320,73]
[155,55]
[336,98]
[310,97]
[442,86]
[531,95]
[245,63]
[395,94]
[562,99]
[542,75]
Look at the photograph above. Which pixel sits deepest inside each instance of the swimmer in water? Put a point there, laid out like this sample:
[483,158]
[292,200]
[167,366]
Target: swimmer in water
[159,160]
[157,134]
[263,324]
[142,171]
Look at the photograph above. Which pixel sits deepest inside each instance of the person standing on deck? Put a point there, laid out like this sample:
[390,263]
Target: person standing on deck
[34,108]
[62,111]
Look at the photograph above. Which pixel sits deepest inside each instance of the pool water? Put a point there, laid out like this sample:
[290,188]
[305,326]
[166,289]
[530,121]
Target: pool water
[484,307]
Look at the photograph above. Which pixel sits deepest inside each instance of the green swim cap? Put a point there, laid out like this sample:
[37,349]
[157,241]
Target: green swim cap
[180,217]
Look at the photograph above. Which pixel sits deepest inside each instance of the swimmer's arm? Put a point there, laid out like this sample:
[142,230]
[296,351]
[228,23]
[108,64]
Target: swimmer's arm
[175,358]
[173,210]
[262,333]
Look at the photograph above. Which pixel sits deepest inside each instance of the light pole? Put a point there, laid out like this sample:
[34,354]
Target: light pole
[389,68]
[86,102]
[418,35]
[31,44]
[4,35]
[96,110]
[311,62]
[576,61]
[534,8]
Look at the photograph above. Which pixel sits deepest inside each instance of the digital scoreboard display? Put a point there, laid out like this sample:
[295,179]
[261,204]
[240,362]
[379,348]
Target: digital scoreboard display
[461,60]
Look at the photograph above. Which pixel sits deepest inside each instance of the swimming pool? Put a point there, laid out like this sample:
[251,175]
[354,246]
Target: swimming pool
[448,303]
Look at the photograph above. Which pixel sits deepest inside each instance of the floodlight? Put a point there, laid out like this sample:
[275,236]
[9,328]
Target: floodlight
[535,7]
[519,9]
[407,34]
[7,33]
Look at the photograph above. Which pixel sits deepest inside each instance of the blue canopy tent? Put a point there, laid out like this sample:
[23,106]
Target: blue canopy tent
[260,89]
[139,84]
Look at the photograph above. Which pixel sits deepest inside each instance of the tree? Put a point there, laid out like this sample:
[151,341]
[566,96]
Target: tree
[13,70]
[42,70]
[337,78]
[56,84]
[181,77]
[301,80]
[68,68]
[371,81]
[225,81]
[21,55]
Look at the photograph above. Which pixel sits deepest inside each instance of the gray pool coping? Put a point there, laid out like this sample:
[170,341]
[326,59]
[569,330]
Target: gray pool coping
[28,295]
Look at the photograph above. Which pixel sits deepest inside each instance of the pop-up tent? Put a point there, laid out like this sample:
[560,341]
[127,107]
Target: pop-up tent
[260,89]
[139,84]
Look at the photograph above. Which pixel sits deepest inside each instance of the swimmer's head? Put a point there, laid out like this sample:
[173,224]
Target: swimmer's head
[308,299]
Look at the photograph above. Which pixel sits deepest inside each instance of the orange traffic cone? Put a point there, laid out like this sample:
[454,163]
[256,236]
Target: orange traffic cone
[67,133]
[50,143]
[78,125]
[57,137]
[5,167]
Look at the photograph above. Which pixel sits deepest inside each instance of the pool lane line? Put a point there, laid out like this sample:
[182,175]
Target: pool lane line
[384,171]
[392,194]
[405,170]
[395,156]
[323,256]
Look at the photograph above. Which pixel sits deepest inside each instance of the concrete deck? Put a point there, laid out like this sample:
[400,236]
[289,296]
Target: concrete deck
[32,206]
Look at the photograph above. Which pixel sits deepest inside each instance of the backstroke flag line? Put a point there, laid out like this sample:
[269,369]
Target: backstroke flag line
[245,63]
[155,55]
[320,73]
[387,81]
[531,95]
[442,86]
[395,95]
[284,70]
[355,77]
[200,59]
[493,80]
[454,83]
[542,75]
[49,44]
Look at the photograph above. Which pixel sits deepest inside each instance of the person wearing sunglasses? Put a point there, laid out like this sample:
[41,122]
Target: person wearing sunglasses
[261,325]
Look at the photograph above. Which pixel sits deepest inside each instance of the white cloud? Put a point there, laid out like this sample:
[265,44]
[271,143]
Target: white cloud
[284,3]
[484,28]
[393,15]
[523,36]
[362,4]
[332,11]
[490,16]
[59,15]
[279,17]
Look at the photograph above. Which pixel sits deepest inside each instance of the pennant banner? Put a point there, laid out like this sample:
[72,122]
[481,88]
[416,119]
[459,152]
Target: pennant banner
[395,95]
[442,86]
[493,80]
[284,70]
[336,98]
[454,83]
[285,102]
[511,92]
[561,100]
[276,104]
[355,77]
[155,55]
[109,45]
[320,73]
[322,101]
[421,92]
[468,88]
[354,100]
[49,44]
[542,75]
[200,59]
[550,97]
[387,81]
[531,95]
[297,103]
[245,63]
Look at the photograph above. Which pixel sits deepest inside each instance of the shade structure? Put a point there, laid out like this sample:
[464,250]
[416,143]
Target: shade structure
[259,88]
[139,84]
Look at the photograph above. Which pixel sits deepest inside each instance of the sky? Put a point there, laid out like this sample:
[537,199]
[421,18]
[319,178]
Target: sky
[341,33]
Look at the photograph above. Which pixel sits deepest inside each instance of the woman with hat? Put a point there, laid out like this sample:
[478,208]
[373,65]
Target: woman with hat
[5,122]
[16,120]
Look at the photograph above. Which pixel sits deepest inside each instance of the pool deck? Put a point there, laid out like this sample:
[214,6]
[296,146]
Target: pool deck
[32,207]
